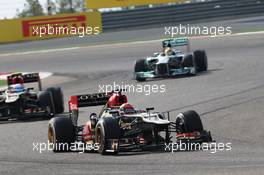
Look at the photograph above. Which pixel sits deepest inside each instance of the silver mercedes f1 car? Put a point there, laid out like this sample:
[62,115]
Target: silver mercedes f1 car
[172,61]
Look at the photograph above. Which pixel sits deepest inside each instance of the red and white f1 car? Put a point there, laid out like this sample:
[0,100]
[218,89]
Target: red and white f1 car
[120,127]
[17,101]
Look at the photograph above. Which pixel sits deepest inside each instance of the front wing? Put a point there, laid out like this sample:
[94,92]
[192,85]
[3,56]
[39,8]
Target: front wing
[171,73]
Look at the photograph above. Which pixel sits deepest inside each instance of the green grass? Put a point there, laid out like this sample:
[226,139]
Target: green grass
[2,83]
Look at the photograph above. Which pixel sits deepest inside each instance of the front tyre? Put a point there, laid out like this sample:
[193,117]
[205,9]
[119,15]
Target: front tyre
[188,122]
[61,134]
[140,66]
[100,138]
[201,61]
[106,129]
[188,61]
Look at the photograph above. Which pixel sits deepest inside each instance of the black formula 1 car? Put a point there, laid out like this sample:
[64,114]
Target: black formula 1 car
[172,61]
[120,127]
[17,101]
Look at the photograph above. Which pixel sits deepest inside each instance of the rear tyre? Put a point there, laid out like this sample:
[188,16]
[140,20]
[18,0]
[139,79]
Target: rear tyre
[58,99]
[140,66]
[61,134]
[46,102]
[200,60]
[188,122]
[107,128]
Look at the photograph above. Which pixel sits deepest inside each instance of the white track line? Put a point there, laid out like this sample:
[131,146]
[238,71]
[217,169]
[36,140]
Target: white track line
[198,37]
[39,51]
[122,43]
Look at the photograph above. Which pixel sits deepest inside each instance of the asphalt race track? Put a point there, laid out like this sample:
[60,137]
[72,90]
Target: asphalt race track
[230,98]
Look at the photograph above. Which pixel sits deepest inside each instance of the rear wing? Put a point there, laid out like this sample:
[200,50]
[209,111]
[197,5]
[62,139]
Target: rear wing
[87,100]
[24,78]
[176,42]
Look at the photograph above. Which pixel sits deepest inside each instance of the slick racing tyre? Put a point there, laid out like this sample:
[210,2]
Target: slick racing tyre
[46,102]
[140,66]
[188,61]
[61,134]
[58,100]
[200,58]
[107,128]
[188,122]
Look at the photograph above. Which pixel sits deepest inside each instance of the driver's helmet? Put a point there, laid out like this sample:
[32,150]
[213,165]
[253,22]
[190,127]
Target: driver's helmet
[17,88]
[17,80]
[116,100]
[127,108]
[168,52]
